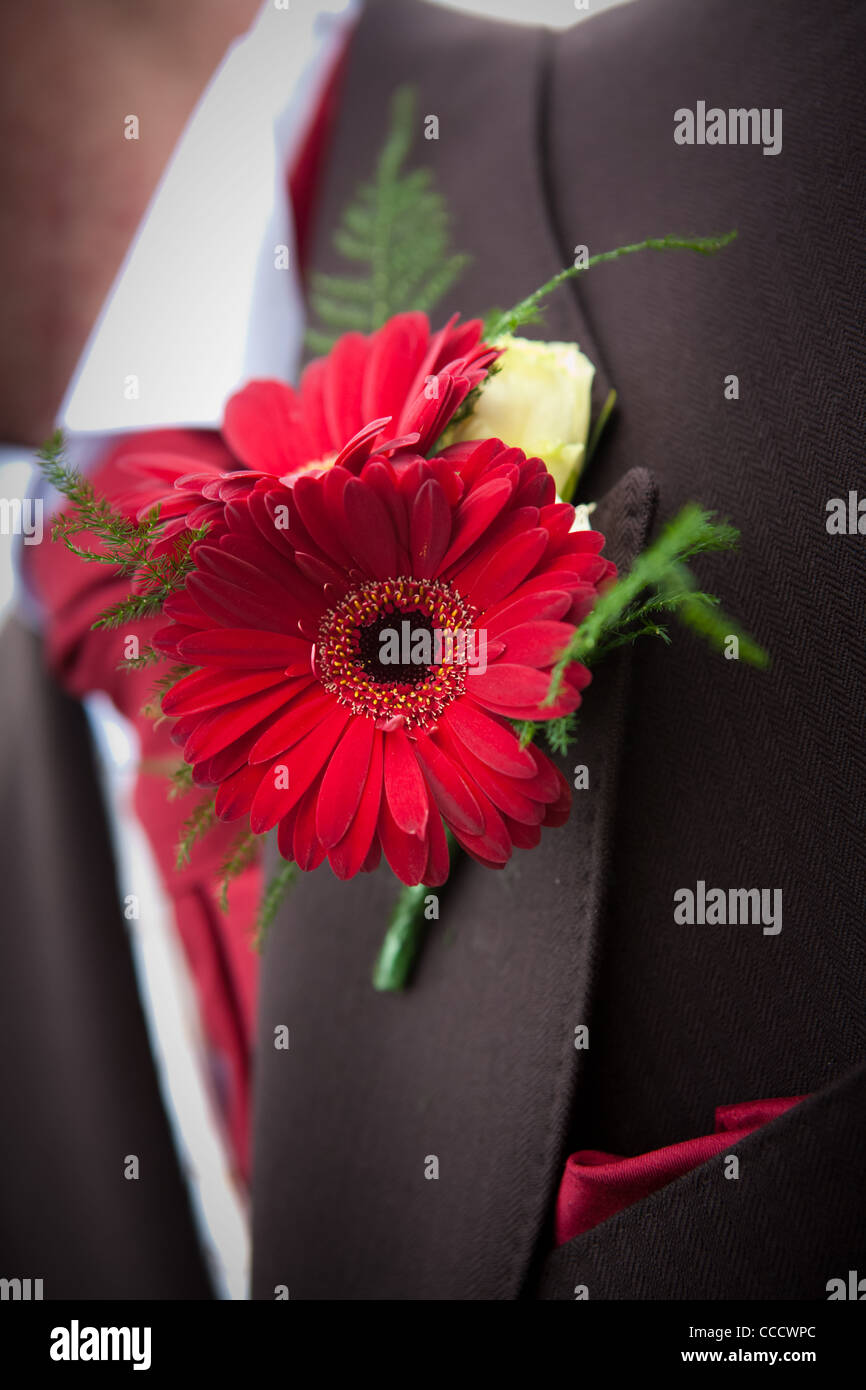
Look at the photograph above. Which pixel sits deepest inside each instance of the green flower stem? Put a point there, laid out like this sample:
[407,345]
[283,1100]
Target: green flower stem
[402,940]
[405,935]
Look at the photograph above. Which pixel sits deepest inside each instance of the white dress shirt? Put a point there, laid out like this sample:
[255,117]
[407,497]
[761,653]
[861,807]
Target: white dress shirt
[197,308]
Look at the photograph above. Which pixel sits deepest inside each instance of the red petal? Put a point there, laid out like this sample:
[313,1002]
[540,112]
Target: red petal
[245,648]
[167,638]
[520,692]
[396,351]
[539,607]
[405,787]
[509,526]
[347,858]
[260,424]
[248,564]
[233,605]
[505,570]
[308,850]
[407,854]
[523,836]
[370,532]
[221,765]
[342,386]
[493,845]
[235,796]
[490,739]
[317,441]
[210,689]
[301,716]
[380,477]
[547,782]
[373,857]
[536,644]
[303,763]
[354,455]
[220,728]
[318,569]
[343,782]
[558,810]
[508,794]
[430,529]
[438,864]
[309,494]
[183,609]
[473,518]
[450,789]
[286,833]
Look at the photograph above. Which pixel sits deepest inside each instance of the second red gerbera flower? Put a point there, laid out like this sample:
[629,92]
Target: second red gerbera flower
[368,394]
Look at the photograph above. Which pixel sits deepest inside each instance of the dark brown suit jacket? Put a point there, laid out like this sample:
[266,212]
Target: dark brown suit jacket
[78,1090]
[700,768]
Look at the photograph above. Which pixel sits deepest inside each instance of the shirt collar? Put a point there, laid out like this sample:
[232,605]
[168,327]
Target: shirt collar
[204,302]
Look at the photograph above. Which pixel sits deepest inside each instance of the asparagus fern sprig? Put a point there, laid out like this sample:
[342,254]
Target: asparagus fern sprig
[241,855]
[197,824]
[659,585]
[528,310]
[120,542]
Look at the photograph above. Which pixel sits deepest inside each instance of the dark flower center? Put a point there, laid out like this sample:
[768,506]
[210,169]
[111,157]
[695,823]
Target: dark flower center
[385,651]
[384,642]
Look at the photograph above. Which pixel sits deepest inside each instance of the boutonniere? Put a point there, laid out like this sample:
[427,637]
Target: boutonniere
[371,623]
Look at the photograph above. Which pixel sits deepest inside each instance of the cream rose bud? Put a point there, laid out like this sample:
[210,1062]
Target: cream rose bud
[538,401]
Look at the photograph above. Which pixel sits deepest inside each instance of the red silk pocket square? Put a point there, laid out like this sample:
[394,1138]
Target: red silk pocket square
[597,1185]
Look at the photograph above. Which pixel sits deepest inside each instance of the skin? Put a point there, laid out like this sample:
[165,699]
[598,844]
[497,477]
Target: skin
[74,190]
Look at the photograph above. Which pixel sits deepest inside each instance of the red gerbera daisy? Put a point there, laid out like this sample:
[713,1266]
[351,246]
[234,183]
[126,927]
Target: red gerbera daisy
[398,387]
[296,715]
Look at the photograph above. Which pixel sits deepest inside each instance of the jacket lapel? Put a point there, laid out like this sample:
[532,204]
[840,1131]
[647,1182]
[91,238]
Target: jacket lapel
[409,1146]
[475,1066]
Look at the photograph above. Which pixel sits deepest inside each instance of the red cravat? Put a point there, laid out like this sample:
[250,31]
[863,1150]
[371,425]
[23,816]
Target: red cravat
[304,175]
[218,948]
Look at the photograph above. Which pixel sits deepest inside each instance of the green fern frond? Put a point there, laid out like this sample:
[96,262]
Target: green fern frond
[561,733]
[397,231]
[242,854]
[152,708]
[277,890]
[661,583]
[180,782]
[196,825]
[526,730]
[149,657]
[124,544]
